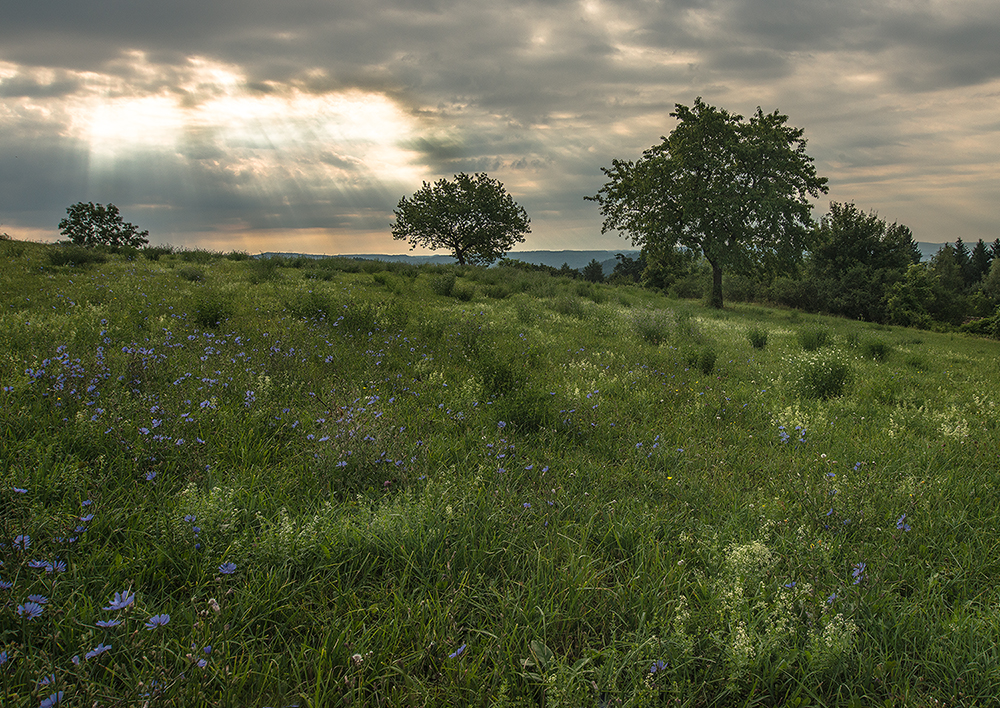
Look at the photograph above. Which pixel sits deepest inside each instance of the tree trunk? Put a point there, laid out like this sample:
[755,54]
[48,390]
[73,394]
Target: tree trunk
[716,297]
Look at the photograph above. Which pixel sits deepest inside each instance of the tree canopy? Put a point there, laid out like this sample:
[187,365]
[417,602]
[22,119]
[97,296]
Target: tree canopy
[855,260]
[731,189]
[89,224]
[473,216]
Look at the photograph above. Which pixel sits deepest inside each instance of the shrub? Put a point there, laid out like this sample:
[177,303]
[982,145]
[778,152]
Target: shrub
[653,326]
[812,338]
[877,349]
[263,269]
[464,292]
[443,284]
[191,274]
[822,375]
[569,305]
[497,291]
[309,305]
[757,337]
[237,256]
[703,360]
[198,255]
[211,308]
[153,253]
[75,256]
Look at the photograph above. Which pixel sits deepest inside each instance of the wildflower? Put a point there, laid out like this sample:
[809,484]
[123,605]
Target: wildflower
[790,585]
[526,505]
[20,491]
[38,564]
[121,601]
[190,518]
[40,599]
[150,476]
[458,652]
[227,568]
[22,541]
[51,700]
[97,651]
[157,621]
[107,624]
[901,523]
[6,585]
[658,665]
[858,572]
[3,657]
[86,518]
[86,502]
[57,567]
[47,680]
[31,610]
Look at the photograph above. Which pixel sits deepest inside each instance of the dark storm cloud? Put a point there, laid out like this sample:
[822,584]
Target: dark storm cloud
[541,92]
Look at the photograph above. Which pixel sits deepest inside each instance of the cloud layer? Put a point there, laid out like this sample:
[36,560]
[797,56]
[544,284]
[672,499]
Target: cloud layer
[299,125]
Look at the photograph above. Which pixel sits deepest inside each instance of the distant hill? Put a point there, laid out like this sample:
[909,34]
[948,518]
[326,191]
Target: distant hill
[555,259]
[575,259]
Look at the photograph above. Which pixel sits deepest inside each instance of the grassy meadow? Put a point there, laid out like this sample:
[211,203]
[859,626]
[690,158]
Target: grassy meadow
[232,482]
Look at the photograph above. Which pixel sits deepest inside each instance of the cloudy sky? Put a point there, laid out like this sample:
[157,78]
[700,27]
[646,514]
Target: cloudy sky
[297,125]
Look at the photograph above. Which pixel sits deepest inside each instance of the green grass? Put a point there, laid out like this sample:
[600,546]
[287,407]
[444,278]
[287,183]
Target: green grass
[532,496]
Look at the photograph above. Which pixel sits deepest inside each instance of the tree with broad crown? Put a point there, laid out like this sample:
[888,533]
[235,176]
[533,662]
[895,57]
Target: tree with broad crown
[473,217]
[733,190]
[90,225]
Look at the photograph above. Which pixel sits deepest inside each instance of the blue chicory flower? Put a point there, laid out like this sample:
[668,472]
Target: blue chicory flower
[121,601]
[31,610]
[458,652]
[157,621]
[97,651]
[52,700]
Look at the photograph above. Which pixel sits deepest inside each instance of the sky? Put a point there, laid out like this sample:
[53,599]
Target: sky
[298,125]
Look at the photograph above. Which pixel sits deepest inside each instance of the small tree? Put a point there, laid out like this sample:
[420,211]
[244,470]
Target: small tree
[90,225]
[593,271]
[472,216]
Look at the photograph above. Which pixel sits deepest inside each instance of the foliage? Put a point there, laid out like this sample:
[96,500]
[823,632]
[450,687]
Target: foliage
[89,225]
[653,326]
[813,337]
[628,269]
[593,272]
[473,217]
[443,284]
[73,255]
[211,308]
[735,191]
[757,337]
[702,359]
[856,260]
[821,374]
[877,349]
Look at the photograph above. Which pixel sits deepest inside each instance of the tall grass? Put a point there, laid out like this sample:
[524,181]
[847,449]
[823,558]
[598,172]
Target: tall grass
[346,491]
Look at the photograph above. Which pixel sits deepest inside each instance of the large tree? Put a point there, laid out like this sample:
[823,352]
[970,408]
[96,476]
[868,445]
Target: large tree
[88,224]
[731,189]
[473,217]
[855,260]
